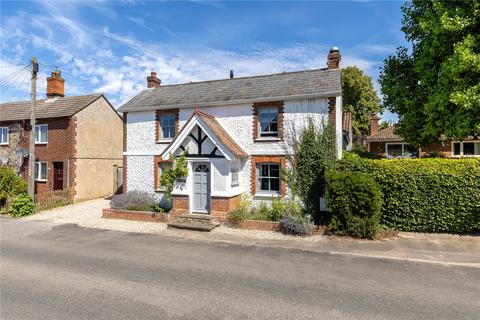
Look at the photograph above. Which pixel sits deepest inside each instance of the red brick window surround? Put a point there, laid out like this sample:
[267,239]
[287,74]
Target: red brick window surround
[273,128]
[166,125]
[158,165]
[264,173]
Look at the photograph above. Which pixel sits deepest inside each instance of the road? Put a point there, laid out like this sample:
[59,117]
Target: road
[69,272]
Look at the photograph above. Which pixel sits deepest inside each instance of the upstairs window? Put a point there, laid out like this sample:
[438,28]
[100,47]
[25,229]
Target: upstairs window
[268,178]
[268,122]
[41,133]
[3,135]
[167,125]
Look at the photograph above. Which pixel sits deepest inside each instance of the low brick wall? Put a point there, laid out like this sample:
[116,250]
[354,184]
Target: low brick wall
[146,216]
[260,225]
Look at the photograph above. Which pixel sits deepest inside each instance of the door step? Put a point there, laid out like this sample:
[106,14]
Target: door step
[192,221]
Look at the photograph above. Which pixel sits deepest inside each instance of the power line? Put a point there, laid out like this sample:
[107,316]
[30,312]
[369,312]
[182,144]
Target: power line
[9,79]
[13,80]
[20,85]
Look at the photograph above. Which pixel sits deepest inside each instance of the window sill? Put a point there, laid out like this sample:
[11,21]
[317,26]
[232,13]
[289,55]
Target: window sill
[160,190]
[41,142]
[40,180]
[162,141]
[467,156]
[3,144]
[267,139]
[267,195]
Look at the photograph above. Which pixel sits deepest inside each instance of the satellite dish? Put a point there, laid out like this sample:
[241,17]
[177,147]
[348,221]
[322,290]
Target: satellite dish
[22,152]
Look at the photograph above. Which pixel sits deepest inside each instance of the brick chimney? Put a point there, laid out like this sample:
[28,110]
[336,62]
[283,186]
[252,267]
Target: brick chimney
[374,124]
[55,85]
[153,81]
[334,57]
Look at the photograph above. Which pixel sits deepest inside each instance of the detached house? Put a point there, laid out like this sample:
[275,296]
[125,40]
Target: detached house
[387,143]
[78,142]
[235,134]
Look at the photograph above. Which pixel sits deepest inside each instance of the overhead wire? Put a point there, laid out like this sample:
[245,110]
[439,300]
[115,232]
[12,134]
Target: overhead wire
[22,83]
[13,80]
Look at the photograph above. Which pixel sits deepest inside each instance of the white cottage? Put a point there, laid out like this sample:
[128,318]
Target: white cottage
[234,132]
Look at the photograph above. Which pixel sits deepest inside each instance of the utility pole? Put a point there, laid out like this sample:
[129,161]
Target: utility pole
[31,157]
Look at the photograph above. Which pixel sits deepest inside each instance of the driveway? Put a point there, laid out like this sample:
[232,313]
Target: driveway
[69,272]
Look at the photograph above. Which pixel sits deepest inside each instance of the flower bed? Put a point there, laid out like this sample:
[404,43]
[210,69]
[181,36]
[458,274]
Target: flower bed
[272,226]
[145,216]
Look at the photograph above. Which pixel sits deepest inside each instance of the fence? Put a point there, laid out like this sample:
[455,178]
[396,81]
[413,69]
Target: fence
[51,199]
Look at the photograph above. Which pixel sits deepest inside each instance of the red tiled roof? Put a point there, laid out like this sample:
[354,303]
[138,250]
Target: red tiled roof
[387,134]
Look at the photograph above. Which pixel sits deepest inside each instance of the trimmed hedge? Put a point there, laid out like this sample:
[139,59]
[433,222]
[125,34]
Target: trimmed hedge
[426,195]
[355,202]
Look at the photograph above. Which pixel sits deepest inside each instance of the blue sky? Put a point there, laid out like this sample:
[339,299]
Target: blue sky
[110,47]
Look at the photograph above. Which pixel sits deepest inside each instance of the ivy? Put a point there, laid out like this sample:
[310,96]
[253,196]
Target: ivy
[178,170]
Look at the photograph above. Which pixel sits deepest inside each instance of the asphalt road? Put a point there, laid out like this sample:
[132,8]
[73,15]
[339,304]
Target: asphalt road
[68,272]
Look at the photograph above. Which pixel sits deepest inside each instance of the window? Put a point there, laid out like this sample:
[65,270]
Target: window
[161,166]
[41,133]
[167,124]
[268,178]
[401,150]
[41,171]
[466,149]
[235,177]
[268,122]
[3,135]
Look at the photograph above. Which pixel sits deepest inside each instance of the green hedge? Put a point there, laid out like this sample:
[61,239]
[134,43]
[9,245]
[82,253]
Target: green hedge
[427,195]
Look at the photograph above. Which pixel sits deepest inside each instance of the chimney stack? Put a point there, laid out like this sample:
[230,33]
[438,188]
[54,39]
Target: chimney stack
[153,81]
[55,85]
[334,57]
[374,124]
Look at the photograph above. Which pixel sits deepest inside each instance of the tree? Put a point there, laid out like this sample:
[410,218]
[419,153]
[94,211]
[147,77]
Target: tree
[359,98]
[435,89]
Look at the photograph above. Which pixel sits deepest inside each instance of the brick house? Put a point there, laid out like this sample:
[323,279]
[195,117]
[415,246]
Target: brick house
[387,143]
[235,133]
[78,141]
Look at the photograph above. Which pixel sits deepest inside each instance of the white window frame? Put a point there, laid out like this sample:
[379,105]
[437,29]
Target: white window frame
[461,149]
[38,173]
[258,177]
[2,131]
[235,171]
[267,134]
[403,149]
[162,138]
[38,134]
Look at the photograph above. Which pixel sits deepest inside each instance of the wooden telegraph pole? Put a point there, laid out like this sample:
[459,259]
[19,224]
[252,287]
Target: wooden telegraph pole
[31,157]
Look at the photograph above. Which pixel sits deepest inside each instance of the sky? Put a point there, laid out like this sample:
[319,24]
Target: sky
[111,46]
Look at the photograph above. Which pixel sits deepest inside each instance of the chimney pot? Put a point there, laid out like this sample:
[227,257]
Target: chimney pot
[153,81]
[55,85]
[231,74]
[333,59]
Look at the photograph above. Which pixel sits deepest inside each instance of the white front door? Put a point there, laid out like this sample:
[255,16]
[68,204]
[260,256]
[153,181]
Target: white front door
[201,187]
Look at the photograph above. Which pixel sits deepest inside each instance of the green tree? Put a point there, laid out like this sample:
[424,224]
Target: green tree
[435,89]
[359,98]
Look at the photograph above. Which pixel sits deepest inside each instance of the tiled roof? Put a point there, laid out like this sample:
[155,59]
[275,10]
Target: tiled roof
[387,134]
[222,135]
[280,86]
[52,108]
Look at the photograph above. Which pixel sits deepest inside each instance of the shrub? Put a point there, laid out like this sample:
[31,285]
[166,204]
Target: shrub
[355,203]
[21,205]
[425,195]
[299,226]
[241,212]
[313,150]
[10,184]
[138,201]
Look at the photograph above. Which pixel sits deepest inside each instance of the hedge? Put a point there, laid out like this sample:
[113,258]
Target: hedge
[425,195]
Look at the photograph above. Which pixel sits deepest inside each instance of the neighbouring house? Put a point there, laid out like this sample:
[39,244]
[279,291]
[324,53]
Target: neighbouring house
[387,143]
[234,133]
[78,142]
